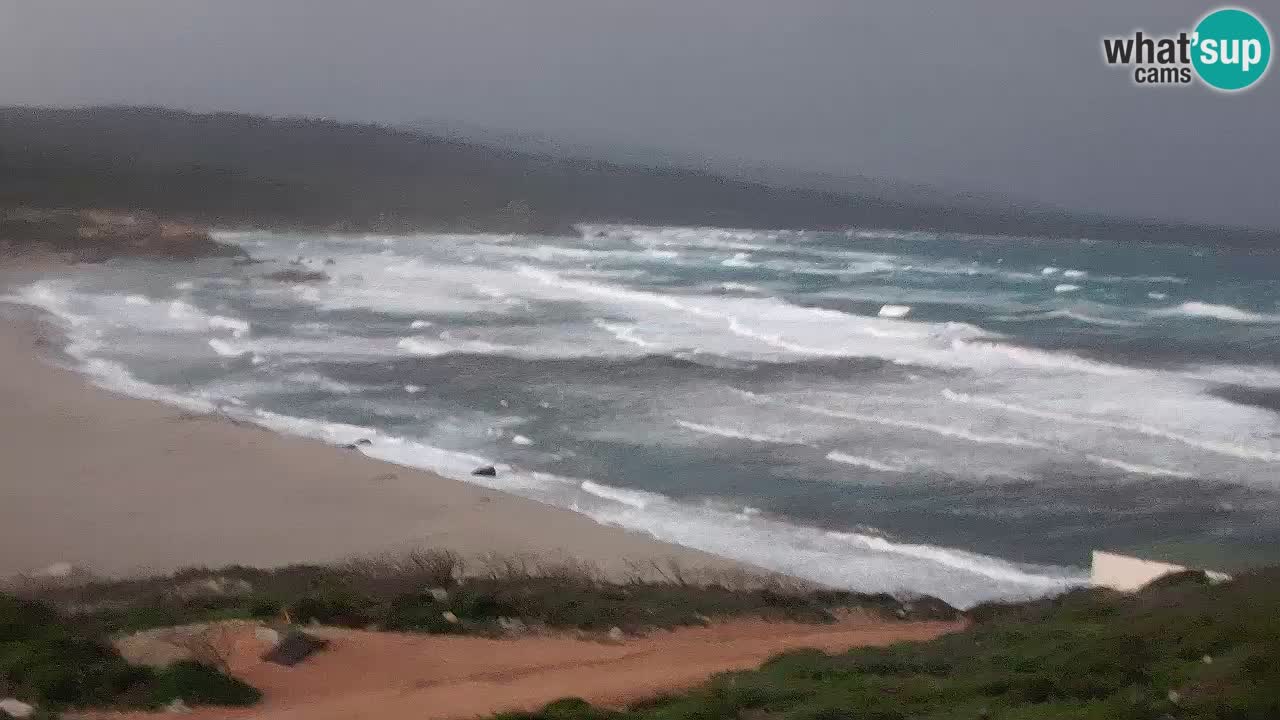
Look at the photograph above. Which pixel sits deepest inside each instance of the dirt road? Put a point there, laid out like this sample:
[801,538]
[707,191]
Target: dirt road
[390,676]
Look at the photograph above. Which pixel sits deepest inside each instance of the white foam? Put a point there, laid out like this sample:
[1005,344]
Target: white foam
[1048,270]
[226,349]
[1215,446]
[1219,312]
[521,440]
[137,300]
[413,389]
[846,459]
[950,431]
[1070,315]
[631,498]
[1137,467]
[624,333]
[419,324]
[742,260]
[239,328]
[1157,295]
[734,434]
[1074,273]
[894,311]
[1065,288]
[740,287]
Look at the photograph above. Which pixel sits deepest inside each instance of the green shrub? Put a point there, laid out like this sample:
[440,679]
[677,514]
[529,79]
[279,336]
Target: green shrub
[198,684]
[56,662]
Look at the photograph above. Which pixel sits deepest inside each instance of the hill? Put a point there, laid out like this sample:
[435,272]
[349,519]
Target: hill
[241,169]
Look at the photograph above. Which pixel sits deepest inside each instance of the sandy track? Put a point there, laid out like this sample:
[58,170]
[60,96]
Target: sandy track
[391,676]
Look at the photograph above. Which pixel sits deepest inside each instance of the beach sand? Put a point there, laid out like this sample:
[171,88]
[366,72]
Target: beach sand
[121,486]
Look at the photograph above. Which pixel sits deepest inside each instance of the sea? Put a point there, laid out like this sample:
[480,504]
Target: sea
[960,416]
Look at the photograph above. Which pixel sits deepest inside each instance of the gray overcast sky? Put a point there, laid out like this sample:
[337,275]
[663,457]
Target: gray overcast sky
[1003,95]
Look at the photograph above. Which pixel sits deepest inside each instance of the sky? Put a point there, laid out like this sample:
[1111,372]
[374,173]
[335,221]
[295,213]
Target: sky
[1006,96]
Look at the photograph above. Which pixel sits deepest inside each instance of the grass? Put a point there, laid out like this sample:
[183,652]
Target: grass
[1181,650]
[395,593]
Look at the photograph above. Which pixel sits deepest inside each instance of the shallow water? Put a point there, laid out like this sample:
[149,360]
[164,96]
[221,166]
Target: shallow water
[749,393]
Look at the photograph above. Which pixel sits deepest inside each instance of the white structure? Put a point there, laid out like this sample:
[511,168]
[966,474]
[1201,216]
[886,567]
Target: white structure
[1129,574]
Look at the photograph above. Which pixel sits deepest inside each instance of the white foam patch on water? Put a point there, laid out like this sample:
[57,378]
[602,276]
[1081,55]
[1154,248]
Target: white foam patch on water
[741,287]
[1226,313]
[637,499]
[1065,288]
[950,431]
[858,461]
[1137,468]
[625,333]
[894,311]
[1215,446]
[1069,314]
[226,349]
[734,434]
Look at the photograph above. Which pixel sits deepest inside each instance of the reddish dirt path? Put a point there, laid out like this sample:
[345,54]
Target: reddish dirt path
[389,676]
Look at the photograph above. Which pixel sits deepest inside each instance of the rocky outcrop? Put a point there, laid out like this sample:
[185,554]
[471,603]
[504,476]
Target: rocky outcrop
[100,235]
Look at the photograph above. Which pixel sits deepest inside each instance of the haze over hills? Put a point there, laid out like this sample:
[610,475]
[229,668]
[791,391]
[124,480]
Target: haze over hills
[777,175]
[243,169]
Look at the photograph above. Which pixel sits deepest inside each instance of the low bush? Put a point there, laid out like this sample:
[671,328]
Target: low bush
[53,661]
[1176,651]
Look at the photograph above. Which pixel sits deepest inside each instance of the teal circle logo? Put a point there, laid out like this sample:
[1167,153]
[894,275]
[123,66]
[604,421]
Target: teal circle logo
[1231,49]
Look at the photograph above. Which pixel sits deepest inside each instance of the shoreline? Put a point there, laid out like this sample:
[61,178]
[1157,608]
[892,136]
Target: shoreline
[124,486]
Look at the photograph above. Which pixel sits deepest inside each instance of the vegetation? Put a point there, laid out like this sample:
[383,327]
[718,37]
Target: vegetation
[238,169]
[52,661]
[1182,650]
[429,592]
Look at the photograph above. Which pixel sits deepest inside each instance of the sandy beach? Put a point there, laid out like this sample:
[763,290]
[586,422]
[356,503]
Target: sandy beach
[118,485]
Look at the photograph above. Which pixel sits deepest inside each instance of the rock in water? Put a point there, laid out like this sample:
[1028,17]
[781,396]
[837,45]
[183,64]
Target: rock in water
[486,471]
[293,648]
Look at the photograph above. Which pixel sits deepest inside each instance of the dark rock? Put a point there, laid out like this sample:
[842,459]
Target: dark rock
[294,647]
[486,471]
[364,441]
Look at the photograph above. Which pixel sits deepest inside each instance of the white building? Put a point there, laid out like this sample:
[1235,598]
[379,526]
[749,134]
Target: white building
[1128,574]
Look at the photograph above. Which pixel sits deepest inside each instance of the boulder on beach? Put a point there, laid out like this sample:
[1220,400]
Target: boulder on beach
[294,647]
[485,471]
